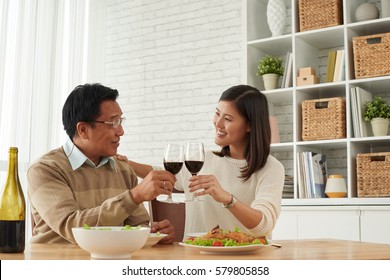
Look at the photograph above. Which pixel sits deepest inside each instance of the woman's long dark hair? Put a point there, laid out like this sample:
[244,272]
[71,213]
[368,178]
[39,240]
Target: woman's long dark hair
[253,106]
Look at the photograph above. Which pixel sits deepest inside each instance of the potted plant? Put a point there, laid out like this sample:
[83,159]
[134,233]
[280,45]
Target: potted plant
[378,112]
[270,68]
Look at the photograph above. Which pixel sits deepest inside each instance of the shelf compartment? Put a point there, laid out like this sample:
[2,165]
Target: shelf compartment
[254,53]
[280,107]
[336,160]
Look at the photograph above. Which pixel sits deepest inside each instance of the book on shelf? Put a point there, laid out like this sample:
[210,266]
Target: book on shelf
[363,96]
[320,175]
[341,77]
[312,174]
[337,75]
[288,192]
[359,97]
[301,183]
[288,189]
[330,67]
[283,85]
[306,175]
[354,112]
[288,81]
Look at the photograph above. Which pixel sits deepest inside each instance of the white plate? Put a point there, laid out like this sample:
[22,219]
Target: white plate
[154,238]
[194,234]
[246,249]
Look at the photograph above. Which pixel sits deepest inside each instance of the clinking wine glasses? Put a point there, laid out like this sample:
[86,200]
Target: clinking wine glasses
[194,159]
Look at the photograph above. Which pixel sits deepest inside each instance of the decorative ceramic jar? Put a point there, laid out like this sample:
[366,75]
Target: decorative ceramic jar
[276,16]
[366,11]
[335,186]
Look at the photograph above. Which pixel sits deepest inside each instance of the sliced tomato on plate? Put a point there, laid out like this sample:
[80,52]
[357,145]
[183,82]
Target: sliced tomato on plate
[217,243]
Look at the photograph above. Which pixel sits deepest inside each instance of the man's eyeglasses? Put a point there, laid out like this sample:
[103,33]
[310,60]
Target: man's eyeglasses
[114,124]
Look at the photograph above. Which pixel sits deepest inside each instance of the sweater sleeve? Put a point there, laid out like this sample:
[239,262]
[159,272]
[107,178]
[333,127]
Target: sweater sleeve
[268,197]
[58,205]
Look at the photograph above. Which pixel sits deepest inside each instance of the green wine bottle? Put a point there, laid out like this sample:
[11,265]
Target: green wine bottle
[12,209]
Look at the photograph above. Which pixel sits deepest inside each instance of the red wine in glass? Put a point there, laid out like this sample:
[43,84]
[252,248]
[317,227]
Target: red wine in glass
[194,166]
[173,167]
[173,161]
[194,159]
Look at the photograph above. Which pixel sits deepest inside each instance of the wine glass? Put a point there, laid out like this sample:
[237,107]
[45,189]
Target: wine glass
[194,159]
[173,161]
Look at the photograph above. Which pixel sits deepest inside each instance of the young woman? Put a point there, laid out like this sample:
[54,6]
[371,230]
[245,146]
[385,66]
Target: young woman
[240,185]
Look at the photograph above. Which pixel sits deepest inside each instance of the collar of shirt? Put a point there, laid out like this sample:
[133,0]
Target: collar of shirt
[77,158]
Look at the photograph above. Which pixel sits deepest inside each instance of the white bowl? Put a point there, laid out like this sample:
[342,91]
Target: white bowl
[153,239]
[111,242]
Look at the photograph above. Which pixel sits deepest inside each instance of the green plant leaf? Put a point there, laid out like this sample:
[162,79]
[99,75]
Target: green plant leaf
[377,108]
[270,65]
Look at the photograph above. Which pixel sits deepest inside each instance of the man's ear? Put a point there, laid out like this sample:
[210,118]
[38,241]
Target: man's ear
[82,129]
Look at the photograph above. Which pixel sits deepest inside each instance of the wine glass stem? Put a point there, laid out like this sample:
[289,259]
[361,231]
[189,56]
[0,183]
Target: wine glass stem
[194,197]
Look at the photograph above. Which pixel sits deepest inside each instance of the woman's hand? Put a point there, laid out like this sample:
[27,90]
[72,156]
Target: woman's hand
[165,227]
[208,184]
[121,157]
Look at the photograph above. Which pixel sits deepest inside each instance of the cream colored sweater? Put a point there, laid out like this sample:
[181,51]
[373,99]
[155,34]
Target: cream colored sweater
[61,198]
[263,191]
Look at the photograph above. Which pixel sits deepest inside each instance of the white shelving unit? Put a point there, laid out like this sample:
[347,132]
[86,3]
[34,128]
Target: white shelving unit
[310,49]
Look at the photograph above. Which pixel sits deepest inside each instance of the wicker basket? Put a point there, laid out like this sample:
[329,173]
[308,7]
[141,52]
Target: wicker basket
[371,55]
[316,14]
[373,174]
[323,119]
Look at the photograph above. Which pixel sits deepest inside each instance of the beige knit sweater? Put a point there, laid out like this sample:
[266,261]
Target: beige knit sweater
[61,198]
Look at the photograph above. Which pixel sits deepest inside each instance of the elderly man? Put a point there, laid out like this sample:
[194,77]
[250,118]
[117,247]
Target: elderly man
[82,182]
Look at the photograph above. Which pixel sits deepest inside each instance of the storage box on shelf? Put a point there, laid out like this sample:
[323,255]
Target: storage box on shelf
[307,76]
[371,55]
[316,14]
[307,80]
[323,119]
[373,174]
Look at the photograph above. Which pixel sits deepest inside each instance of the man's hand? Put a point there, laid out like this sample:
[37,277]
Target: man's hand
[155,183]
[166,227]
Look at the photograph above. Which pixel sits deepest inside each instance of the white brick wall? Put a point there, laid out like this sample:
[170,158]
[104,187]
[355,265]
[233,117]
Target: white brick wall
[170,61]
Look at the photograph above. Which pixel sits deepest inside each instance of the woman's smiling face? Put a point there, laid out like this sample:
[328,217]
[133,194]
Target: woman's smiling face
[231,128]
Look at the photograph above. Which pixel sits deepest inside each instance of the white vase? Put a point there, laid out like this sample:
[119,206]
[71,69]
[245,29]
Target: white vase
[385,8]
[270,81]
[276,16]
[379,126]
[366,11]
